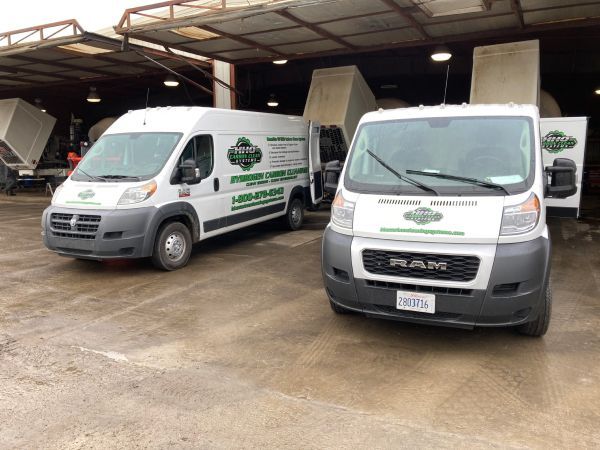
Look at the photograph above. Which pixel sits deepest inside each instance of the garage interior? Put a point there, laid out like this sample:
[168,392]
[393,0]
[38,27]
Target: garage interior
[390,42]
[116,353]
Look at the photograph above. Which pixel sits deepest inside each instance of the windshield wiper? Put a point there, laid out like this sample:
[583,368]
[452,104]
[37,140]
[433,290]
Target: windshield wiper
[400,176]
[446,176]
[91,177]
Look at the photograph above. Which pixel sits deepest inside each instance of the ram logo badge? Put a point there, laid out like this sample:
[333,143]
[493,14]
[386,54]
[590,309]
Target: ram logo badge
[73,222]
[428,265]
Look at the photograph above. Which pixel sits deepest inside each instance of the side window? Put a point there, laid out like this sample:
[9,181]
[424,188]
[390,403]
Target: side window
[204,154]
[188,152]
[200,148]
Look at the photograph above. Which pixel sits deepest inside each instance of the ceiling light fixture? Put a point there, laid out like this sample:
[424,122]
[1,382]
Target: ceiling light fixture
[280,61]
[272,102]
[171,81]
[597,91]
[38,104]
[93,96]
[441,54]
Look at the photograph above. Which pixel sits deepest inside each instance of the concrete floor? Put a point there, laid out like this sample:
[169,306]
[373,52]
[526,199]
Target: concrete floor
[240,349]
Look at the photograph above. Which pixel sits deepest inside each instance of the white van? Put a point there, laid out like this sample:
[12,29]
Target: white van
[439,218]
[161,179]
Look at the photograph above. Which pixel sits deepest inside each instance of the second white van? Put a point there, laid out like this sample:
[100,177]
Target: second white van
[161,179]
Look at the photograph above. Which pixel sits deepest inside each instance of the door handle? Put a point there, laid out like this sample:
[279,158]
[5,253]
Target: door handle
[216,184]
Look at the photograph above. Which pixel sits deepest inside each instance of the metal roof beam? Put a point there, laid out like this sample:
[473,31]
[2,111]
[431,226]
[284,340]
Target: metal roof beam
[62,65]
[479,36]
[38,72]
[315,29]
[516,7]
[11,35]
[241,39]
[183,48]
[407,16]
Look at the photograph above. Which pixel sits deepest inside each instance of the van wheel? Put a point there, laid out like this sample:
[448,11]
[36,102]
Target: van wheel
[338,309]
[539,326]
[173,247]
[295,214]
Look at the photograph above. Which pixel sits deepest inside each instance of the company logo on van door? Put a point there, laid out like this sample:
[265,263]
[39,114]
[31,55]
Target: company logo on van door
[556,141]
[244,154]
[423,216]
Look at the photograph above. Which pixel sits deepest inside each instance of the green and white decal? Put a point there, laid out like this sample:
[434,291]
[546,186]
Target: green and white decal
[258,198]
[244,154]
[420,231]
[423,216]
[272,176]
[87,194]
[556,141]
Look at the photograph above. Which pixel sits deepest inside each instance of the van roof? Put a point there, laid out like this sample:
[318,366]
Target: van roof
[510,109]
[184,119]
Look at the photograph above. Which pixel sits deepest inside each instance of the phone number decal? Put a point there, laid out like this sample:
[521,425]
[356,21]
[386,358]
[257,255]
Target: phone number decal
[256,198]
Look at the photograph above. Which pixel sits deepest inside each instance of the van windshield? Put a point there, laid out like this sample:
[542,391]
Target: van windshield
[451,156]
[126,157]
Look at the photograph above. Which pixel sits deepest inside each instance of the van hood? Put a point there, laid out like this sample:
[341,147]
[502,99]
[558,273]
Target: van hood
[89,195]
[429,219]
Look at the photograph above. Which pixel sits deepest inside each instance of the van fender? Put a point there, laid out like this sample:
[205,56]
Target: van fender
[301,192]
[164,213]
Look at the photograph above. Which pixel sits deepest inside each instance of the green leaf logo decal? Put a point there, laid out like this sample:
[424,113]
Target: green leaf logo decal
[423,216]
[244,154]
[556,141]
[84,195]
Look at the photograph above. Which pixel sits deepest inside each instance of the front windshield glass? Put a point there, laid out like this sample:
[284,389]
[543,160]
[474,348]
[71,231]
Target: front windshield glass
[437,151]
[126,157]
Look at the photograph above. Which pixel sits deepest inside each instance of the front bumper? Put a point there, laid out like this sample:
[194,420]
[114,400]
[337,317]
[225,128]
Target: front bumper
[513,294]
[120,233]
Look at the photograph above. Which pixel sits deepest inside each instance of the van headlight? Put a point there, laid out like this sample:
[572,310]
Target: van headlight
[521,218]
[138,194]
[342,211]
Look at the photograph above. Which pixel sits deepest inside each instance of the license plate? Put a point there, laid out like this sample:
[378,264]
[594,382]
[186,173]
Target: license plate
[415,301]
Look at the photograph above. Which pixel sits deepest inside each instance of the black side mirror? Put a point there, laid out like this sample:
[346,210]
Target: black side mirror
[190,173]
[563,182]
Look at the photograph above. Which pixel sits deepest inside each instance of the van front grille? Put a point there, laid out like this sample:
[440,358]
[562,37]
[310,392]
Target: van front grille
[425,266]
[75,226]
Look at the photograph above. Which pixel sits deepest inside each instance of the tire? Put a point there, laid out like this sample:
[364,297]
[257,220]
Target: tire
[172,247]
[295,215]
[338,309]
[539,326]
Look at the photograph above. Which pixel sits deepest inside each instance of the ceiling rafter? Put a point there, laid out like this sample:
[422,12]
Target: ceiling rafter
[183,48]
[315,29]
[493,34]
[241,39]
[25,69]
[407,16]
[100,82]
[516,7]
[62,65]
